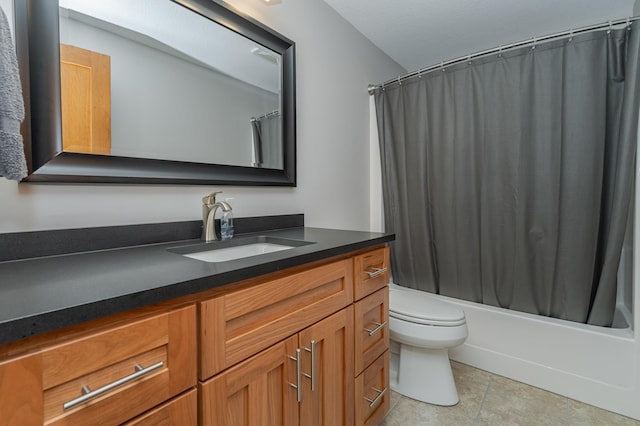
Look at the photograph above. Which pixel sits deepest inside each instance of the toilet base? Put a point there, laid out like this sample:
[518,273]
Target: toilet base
[424,374]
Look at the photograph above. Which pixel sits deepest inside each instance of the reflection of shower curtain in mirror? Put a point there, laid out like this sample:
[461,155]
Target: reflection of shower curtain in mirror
[267,141]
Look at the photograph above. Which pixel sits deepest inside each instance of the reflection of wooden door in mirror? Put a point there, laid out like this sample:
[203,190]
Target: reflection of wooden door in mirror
[85,86]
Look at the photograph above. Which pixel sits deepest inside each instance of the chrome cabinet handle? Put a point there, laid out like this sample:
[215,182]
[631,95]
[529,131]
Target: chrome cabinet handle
[297,386]
[313,365]
[379,327]
[374,272]
[88,394]
[375,401]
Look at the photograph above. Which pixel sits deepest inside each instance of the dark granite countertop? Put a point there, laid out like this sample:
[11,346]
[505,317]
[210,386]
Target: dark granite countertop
[42,294]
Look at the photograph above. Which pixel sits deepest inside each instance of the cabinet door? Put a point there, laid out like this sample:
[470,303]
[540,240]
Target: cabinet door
[85,88]
[255,392]
[327,383]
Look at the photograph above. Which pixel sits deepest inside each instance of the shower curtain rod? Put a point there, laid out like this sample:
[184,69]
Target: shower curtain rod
[274,112]
[506,47]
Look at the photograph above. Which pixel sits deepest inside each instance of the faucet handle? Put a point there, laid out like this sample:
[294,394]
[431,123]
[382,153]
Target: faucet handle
[211,198]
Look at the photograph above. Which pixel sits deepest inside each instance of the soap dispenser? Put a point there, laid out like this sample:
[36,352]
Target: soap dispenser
[226,224]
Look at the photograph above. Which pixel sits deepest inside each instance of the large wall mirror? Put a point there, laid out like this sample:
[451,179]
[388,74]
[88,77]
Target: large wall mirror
[155,91]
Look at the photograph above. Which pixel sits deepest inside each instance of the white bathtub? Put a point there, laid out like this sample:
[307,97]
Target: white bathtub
[591,364]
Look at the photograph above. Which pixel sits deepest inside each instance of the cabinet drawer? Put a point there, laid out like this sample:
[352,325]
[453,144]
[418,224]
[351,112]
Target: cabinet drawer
[166,341]
[371,272]
[183,411]
[371,328]
[109,376]
[238,325]
[373,393]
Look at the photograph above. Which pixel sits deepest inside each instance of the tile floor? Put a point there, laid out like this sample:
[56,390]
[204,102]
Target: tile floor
[488,399]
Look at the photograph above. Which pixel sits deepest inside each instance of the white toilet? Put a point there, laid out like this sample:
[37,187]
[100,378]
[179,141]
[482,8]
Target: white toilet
[423,329]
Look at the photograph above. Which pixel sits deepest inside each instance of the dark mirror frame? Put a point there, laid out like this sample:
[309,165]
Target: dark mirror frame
[38,50]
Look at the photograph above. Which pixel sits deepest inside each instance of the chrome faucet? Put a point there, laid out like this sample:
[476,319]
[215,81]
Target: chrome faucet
[209,208]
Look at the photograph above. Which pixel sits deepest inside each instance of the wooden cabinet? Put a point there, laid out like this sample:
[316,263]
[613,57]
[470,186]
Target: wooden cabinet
[371,347]
[305,379]
[342,356]
[291,348]
[257,391]
[372,392]
[327,366]
[182,410]
[371,272]
[371,328]
[21,392]
[241,323]
[314,308]
[102,378]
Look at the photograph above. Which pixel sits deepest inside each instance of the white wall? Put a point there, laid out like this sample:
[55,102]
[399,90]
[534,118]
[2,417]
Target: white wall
[334,65]
[636,8]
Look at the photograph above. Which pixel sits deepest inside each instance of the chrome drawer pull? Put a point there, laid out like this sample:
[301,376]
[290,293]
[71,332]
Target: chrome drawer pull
[375,401]
[375,330]
[297,386]
[313,365]
[88,394]
[374,272]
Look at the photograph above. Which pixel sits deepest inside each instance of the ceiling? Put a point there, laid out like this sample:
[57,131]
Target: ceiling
[419,33]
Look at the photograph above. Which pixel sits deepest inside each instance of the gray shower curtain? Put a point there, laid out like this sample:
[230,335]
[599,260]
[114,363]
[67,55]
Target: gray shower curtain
[508,180]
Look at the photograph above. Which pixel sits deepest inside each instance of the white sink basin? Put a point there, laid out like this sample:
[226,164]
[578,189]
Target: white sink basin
[237,248]
[237,252]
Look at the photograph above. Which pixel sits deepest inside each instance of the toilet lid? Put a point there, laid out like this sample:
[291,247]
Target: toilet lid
[419,307]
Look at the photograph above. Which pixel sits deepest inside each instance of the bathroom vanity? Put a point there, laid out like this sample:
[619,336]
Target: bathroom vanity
[298,336]
[160,330]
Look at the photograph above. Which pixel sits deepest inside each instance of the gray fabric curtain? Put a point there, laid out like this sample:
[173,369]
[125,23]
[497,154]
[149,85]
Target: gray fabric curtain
[267,141]
[508,180]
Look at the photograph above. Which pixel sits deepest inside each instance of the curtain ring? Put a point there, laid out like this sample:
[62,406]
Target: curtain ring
[628,23]
[469,60]
[570,36]
[399,81]
[420,74]
[610,28]
[500,52]
[442,66]
[533,46]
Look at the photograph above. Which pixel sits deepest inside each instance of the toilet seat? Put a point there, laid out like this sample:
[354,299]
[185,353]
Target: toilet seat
[420,308]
